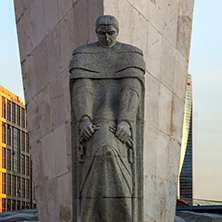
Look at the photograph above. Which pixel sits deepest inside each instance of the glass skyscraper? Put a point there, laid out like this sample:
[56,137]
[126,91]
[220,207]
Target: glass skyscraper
[186,159]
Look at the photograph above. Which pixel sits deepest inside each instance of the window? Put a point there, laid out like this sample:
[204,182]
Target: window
[18,115]
[13,204]
[16,149]
[27,205]
[23,204]
[3,108]
[3,157]
[27,188]
[23,141]
[13,185]
[23,188]
[9,159]
[14,162]
[18,204]
[4,183]
[3,204]
[8,110]
[8,184]
[4,132]
[27,142]
[9,135]
[27,166]
[13,112]
[19,187]
[23,118]
[23,163]
[9,205]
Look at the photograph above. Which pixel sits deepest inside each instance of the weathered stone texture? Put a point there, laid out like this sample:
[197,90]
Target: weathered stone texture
[188,216]
[162,29]
[48,31]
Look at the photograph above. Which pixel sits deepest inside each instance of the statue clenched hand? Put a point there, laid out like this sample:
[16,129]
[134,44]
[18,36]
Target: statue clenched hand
[87,129]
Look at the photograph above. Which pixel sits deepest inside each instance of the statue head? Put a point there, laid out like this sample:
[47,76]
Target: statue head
[107,29]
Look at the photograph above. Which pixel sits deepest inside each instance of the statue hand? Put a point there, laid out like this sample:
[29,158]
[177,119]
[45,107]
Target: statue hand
[123,132]
[86,130]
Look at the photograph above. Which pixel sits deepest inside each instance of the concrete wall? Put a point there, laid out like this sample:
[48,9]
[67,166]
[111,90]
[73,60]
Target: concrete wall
[48,31]
[162,29]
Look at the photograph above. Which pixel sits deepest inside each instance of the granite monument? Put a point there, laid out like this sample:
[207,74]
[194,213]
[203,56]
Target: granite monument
[107,96]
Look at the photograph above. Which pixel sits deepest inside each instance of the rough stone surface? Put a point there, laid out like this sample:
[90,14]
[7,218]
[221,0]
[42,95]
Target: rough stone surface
[179,219]
[167,47]
[36,26]
[20,215]
[189,216]
[162,29]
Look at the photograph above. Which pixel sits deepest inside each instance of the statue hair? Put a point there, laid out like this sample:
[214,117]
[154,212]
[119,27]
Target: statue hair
[107,20]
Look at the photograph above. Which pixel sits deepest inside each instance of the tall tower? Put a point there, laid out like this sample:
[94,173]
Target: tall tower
[48,33]
[186,160]
[15,167]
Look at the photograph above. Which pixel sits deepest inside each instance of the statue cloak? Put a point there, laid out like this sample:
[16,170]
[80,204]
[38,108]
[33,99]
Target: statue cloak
[107,86]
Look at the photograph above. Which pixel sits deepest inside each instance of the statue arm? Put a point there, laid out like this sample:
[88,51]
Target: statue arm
[82,99]
[128,107]
[129,99]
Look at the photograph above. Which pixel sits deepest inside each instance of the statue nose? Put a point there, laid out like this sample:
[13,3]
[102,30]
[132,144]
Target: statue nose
[106,37]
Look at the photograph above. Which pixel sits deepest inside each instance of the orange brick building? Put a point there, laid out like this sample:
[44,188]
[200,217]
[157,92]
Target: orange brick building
[15,164]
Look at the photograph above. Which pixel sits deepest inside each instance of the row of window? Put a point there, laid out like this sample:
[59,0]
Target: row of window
[15,186]
[15,137]
[15,162]
[185,183]
[13,112]
[11,204]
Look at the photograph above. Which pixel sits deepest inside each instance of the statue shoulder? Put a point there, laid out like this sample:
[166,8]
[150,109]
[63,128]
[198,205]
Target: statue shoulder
[129,48]
[90,48]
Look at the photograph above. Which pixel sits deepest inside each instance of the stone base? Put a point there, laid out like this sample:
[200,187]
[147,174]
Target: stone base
[187,216]
[26,215]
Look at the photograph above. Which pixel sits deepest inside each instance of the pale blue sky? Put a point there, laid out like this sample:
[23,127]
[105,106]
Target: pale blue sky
[9,56]
[205,66]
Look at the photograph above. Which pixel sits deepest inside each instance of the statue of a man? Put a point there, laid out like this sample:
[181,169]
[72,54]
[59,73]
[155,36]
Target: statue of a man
[107,92]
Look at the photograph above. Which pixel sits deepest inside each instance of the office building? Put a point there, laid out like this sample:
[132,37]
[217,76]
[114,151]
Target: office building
[15,167]
[186,161]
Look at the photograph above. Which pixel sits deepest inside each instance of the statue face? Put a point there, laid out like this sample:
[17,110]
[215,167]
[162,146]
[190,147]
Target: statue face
[107,35]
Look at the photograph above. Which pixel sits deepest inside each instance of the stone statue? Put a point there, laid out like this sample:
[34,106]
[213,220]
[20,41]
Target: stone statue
[107,93]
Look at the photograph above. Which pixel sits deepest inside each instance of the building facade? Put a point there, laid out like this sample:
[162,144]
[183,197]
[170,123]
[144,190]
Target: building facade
[15,164]
[186,162]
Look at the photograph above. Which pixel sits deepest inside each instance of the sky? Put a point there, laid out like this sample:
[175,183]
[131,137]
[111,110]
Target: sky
[9,56]
[205,67]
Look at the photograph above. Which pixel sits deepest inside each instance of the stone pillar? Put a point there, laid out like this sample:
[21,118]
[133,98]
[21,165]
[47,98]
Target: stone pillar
[162,29]
[48,31]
